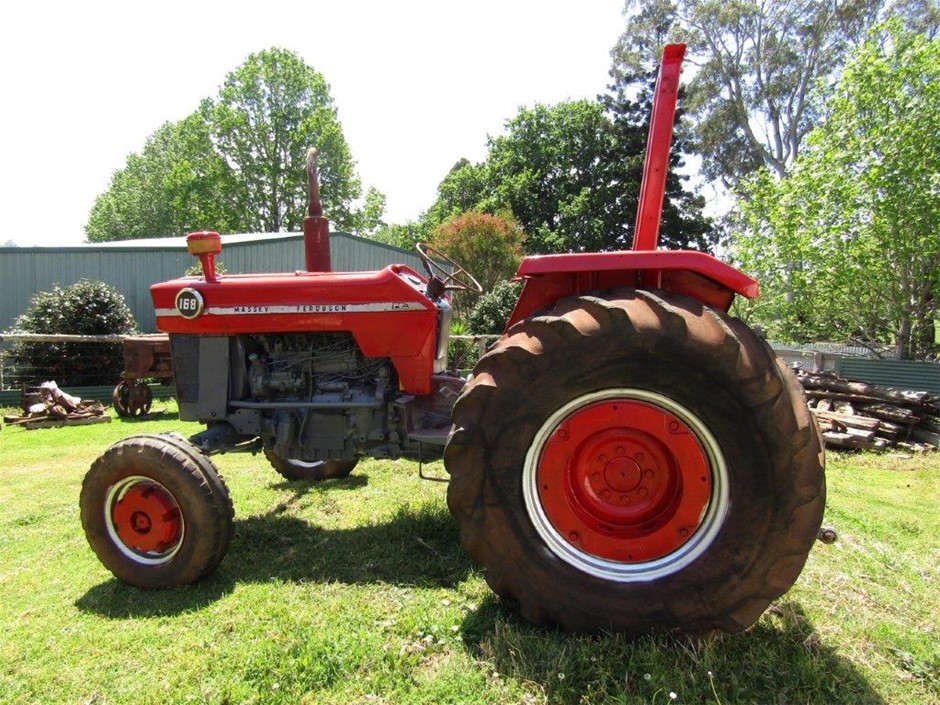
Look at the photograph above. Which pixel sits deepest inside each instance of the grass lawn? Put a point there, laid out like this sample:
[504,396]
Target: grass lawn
[356,591]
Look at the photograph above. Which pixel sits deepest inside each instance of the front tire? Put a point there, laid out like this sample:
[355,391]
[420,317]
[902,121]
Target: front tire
[156,512]
[636,462]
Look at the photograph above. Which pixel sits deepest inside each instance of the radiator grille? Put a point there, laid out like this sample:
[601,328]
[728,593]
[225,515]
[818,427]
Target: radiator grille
[186,366]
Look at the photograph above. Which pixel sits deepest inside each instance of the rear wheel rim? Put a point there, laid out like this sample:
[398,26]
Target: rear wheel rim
[626,485]
[143,520]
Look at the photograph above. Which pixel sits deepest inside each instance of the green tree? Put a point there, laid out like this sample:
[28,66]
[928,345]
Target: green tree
[368,220]
[545,168]
[570,176]
[464,189]
[847,245]
[84,308]
[751,99]
[269,112]
[238,163]
[403,235]
[492,310]
[918,16]
[177,184]
[629,105]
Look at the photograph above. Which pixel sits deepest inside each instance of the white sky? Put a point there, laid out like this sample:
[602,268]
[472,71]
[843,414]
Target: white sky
[418,85]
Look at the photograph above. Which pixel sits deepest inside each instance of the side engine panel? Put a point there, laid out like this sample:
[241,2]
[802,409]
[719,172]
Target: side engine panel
[317,396]
[308,396]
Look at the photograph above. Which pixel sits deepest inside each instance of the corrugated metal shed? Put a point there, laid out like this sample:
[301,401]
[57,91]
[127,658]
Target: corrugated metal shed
[132,266]
[900,374]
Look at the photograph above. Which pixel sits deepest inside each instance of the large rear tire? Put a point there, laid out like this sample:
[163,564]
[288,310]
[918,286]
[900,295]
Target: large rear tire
[316,470]
[156,512]
[636,462]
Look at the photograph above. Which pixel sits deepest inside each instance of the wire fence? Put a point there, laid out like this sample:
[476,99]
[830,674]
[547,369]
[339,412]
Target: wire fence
[69,360]
[27,360]
[88,361]
[838,350]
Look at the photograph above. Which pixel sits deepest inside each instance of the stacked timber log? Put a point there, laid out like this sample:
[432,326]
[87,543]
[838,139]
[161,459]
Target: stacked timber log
[854,414]
[47,406]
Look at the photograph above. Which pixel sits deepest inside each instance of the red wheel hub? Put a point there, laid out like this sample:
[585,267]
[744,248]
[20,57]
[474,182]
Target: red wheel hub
[624,480]
[147,518]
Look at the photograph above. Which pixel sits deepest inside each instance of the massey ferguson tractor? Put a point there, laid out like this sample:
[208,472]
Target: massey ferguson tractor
[626,457]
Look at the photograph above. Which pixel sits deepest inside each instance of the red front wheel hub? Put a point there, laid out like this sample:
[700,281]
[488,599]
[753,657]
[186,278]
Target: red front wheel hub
[626,484]
[144,520]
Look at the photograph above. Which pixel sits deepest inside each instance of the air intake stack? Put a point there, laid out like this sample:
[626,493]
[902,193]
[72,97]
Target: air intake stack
[316,226]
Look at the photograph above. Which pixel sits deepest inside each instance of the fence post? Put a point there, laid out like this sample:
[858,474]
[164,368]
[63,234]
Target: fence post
[818,363]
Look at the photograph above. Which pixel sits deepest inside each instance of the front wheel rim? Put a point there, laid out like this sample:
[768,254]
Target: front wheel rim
[143,520]
[626,485]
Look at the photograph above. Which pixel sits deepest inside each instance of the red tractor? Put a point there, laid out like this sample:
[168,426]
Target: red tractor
[626,457]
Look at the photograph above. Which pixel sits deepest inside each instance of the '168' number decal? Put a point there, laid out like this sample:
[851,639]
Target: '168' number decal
[189,303]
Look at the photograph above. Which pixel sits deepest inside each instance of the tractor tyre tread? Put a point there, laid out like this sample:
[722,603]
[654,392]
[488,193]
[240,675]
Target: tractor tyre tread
[216,481]
[195,485]
[118,399]
[499,411]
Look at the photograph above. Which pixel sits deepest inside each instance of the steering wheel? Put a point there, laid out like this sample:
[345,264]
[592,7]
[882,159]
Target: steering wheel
[458,280]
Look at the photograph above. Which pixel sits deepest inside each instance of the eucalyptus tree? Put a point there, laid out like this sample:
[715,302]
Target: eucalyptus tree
[847,245]
[756,65]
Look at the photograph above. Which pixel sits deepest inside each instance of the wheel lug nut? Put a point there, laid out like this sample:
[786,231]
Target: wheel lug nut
[574,537]
[619,450]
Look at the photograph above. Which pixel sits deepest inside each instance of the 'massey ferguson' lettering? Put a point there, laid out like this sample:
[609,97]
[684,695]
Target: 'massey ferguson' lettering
[323,308]
[183,309]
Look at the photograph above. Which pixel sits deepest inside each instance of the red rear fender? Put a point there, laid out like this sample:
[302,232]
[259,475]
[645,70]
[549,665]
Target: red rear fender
[695,274]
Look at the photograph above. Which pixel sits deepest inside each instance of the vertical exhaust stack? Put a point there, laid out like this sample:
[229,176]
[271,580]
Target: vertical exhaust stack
[316,227]
[653,186]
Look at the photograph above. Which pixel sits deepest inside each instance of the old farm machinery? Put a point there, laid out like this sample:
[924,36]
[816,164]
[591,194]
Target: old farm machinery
[145,357]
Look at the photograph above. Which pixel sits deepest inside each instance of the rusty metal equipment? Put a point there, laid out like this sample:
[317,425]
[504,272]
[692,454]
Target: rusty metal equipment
[145,357]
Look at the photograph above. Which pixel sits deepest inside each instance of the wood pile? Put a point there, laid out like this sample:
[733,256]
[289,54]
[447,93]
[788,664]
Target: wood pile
[47,406]
[854,414]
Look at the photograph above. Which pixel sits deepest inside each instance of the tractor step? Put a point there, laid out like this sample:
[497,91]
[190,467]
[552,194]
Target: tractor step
[431,436]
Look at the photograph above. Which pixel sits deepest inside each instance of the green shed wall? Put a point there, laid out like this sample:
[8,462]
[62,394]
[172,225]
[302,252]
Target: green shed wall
[900,374]
[132,269]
